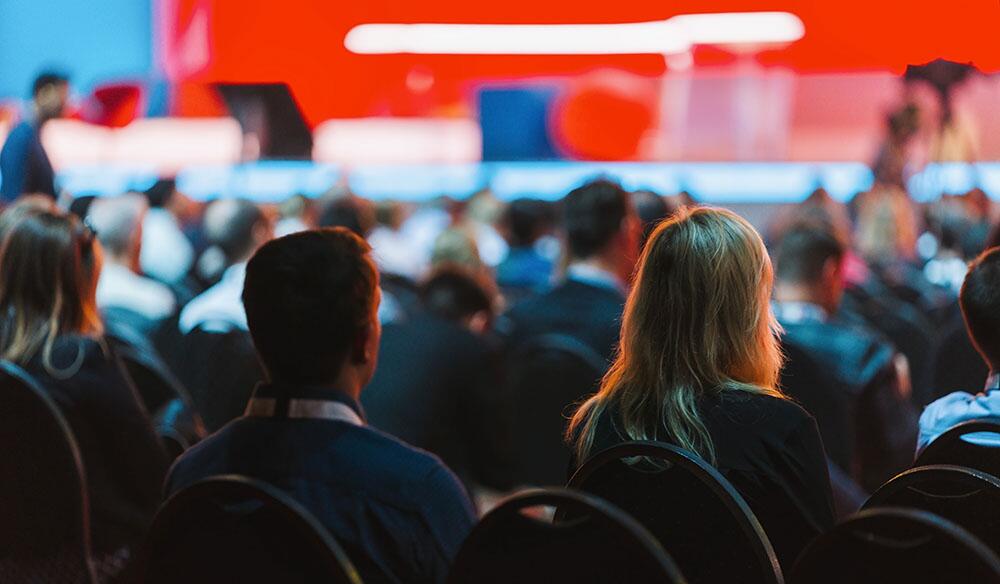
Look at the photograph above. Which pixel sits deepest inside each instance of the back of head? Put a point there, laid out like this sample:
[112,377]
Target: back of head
[525,220]
[49,267]
[160,194]
[231,225]
[350,212]
[594,215]
[456,295]
[802,252]
[980,302]
[651,208]
[118,221]
[697,321]
[46,80]
[455,247]
[307,295]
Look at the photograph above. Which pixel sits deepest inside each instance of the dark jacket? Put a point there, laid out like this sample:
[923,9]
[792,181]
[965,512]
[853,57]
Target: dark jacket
[398,512]
[24,165]
[771,451]
[590,313]
[859,363]
[122,457]
[437,388]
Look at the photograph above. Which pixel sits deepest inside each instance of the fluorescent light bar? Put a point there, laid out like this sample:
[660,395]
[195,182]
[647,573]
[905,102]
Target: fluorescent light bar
[673,36]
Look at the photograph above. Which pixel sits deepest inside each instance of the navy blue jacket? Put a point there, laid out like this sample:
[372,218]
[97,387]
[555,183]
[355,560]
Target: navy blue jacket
[399,513]
[24,166]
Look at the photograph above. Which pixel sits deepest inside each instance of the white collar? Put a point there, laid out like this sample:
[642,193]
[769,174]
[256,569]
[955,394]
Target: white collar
[312,409]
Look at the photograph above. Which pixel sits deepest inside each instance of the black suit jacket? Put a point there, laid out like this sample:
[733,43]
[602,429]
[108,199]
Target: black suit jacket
[437,388]
[587,312]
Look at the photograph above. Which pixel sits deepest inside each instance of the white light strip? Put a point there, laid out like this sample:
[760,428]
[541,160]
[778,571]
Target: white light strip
[672,36]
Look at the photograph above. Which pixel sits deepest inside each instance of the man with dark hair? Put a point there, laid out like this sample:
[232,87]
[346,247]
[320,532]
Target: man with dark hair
[311,301]
[237,228]
[870,428]
[980,303]
[437,382]
[601,232]
[24,165]
[525,271]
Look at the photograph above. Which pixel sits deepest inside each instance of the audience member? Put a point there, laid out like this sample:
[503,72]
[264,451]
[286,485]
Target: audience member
[311,301]
[238,228]
[436,386]
[870,372]
[393,251]
[49,268]
[137,301]
[24,165]
[295,216]
[651,208]
[698,366]
[167,254]
[602,240]
[525,270]
[980,302]
[351,212]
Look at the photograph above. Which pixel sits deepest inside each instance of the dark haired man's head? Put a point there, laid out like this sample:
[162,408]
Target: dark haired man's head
[651,208]
[980,302]
[311,300]
[160,194]
[350,212]
[459,296]
[601,224]
[809,266]
[525,221]
[238,227]
[50,92]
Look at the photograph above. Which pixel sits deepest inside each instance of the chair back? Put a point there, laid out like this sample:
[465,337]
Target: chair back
[548,376]
[599,544]
[956,493]
[236,529]
[692,510]
[894,544]
[973,444]
[45,534]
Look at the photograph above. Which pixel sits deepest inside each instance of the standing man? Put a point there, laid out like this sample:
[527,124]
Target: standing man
[24,165]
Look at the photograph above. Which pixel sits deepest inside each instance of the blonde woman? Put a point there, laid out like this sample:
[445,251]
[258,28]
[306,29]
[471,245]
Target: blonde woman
[49,266]
[698,367]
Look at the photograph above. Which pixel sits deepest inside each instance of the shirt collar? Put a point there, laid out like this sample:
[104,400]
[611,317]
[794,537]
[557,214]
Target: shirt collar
[992,382]
[795,312]
[594,276]
[311,395]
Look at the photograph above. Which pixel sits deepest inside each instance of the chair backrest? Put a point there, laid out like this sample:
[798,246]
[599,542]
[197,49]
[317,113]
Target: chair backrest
[965,496]
[44,515]
[236,529]
[973,444]
[893,544]
[548,376]
[599,544]
[694,512]
[221,372]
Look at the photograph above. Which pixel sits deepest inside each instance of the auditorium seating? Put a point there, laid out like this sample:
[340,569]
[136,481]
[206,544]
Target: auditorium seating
[975,444]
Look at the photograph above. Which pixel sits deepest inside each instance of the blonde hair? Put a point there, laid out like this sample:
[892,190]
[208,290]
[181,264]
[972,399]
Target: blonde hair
[698,320]
[48,281]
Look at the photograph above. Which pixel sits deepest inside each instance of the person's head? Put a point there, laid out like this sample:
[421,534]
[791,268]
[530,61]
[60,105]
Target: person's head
[601,224]
[311,301]
[50,92]
[455,247]
[651,208]
[460,296]
[49,266]
[524,221]
[350,212]
[238,227]
[118,223]
[886,227]
[980,302]
[809,266]
[161,193]
[697,321]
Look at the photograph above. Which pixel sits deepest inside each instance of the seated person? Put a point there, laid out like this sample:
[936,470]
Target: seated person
[698,367]
[49,271]
[980,304]
[167,254]
[437,384]
[525,271]
[602,233]
[868,370]
[123,293]
[237,227]
[311,301]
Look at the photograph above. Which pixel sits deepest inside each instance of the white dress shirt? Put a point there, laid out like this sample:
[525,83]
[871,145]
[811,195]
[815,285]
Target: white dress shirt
[120,287]
[960,406]
[166,253]
[220,308]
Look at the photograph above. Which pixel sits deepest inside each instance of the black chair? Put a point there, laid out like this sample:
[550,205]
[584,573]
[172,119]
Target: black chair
[44,517]
[548,376]
[600,544]
[233,529]
[955,448]
[956,493]
[220,370]
[692,510]
[892,544]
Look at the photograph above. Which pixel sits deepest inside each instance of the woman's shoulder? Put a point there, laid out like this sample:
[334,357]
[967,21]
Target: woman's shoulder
[758,410]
